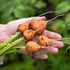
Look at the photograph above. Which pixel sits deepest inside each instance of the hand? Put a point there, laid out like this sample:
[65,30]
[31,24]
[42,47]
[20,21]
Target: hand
[9,29]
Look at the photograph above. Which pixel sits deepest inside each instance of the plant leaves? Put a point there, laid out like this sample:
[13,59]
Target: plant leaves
[67,20]
[40,4]
[58,26]
[20,12]
[68,48]
[7,12]
[4,6]
[55,2]
[33,1]
[30,10]
[5,20]
[63,7]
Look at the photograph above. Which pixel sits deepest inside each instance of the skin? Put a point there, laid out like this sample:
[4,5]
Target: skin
[11,27]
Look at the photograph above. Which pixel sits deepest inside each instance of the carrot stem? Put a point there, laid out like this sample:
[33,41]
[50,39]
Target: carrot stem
[66,43]
[14,49]
[48,12]
[49,21]
[13,37]
[55,17]
[21,47]
[11,45]
[65,38]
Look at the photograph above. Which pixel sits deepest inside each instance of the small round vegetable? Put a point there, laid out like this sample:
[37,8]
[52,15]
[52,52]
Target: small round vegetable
[32,47]
[43,40]
[38,24]
[24,26]
[29,34]
[41,24]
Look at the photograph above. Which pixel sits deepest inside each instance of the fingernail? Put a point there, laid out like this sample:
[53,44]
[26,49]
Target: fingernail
[1,63]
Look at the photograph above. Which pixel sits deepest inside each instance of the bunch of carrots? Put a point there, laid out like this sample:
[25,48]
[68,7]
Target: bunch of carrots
[24,36]
[26,32]
[29,30]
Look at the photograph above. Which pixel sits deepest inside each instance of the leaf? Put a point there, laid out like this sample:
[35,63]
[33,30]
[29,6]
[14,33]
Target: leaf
[63,7]
[40,4]
[16,2]
[60,22]
[5,20]
[27,1]
[58,26]
[55,2]
[67,20]
[68,48]
[4,6]
[20,12]
[30,10]
[33,1]
[8,12]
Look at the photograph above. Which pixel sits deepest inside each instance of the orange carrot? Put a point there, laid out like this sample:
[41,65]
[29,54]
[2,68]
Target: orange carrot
[32,47]
[43,40]
[29,34]
[24,26]
[41,24]
[37,24]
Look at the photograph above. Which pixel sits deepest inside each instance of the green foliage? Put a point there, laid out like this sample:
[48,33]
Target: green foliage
[55,2]
[67,20]
[13,9]
[40,4]
[19,8]
[58,26]
[64,6]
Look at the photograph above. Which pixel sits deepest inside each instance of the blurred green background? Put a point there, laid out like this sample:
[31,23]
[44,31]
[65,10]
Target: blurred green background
[16,9]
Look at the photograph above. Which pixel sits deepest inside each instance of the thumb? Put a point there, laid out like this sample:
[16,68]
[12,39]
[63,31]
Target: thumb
[3,33]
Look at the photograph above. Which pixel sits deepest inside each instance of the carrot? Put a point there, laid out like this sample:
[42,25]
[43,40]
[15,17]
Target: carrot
[29,34]
[32,47]
[44,40]
[41,24]
[37,24]
[24,26]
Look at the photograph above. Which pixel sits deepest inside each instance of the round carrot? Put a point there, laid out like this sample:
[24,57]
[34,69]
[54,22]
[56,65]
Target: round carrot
[24,26]
[38,24]
[41,24]
[29,34]
[43,40]
[32,47]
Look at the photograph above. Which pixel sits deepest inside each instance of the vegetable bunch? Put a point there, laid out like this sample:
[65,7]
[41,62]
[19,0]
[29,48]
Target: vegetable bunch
[24,35]
[26,31]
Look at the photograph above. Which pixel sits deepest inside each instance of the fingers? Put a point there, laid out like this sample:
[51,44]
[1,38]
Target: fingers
[22,52]
[41,56]
[52,35]
[50,50]
[56,43]
[2,28]
[38,55]
[3,33]
[12,26]
[35,38]
[52,43]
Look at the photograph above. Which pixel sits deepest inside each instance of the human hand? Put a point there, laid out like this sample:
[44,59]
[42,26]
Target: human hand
[9,29]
